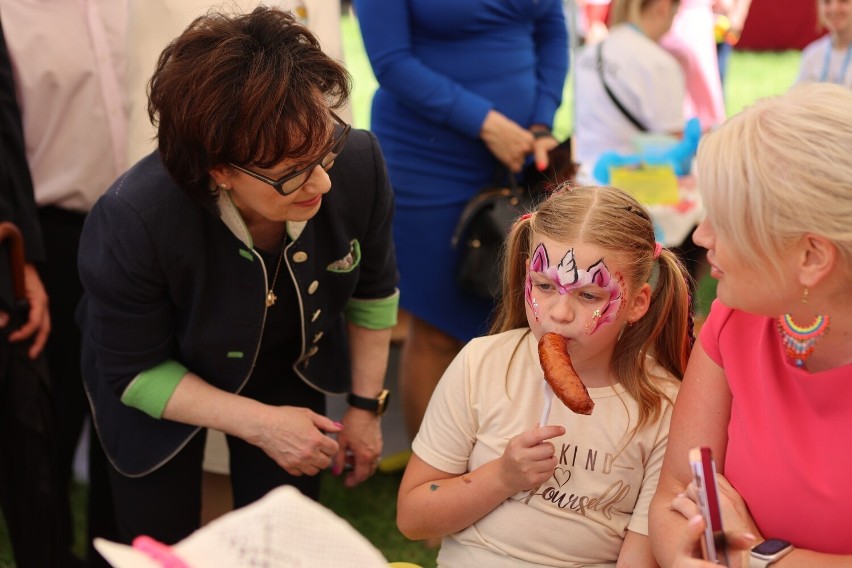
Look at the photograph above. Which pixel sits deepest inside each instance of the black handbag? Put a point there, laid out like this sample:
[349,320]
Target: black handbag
[481,231]
[488,217]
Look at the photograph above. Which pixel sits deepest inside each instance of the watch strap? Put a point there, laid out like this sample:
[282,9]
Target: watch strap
[378,405]
[755,562]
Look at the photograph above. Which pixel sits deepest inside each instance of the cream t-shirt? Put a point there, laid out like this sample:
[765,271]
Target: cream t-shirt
[600,488]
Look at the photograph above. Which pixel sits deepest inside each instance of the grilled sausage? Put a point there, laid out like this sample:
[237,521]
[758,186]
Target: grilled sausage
[559,372]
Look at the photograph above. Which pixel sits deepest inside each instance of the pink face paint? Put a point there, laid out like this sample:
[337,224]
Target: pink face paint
[567,278]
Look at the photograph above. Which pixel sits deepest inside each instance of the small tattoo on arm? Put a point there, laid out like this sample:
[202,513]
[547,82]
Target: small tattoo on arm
[434,487]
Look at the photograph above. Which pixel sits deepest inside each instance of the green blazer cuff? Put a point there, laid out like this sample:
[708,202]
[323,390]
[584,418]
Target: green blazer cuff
[150,390]
[373,314]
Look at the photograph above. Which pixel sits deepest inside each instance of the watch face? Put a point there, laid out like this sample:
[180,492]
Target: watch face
[770,547]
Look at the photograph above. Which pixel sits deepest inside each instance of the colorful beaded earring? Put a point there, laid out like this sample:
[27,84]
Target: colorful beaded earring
[799,341]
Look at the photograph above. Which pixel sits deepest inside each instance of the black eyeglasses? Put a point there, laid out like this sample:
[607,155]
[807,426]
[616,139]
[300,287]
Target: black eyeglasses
[294,181]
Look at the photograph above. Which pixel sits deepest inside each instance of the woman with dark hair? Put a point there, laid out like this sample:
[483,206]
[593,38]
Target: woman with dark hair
[227,287]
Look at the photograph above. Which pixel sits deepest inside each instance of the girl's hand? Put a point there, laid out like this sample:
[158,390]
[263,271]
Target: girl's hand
[529,458]
[506,139]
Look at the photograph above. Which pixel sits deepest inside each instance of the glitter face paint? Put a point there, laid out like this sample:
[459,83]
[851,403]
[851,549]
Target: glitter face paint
[567,277]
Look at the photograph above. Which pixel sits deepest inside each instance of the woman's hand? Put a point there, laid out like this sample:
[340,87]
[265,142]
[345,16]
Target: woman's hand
[38,323]
[295,438]
[361,442]
[740,530]
[736,517]
[689,550]
[543,143]
[506,139]
[529,458]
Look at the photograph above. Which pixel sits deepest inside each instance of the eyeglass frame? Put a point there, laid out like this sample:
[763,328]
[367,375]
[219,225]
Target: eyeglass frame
[278,185]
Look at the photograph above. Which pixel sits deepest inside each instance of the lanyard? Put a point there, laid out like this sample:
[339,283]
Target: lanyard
[842,76]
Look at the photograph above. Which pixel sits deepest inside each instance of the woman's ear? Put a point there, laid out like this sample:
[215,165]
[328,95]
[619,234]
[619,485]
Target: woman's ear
[818,257]
[641,303]
[221,175]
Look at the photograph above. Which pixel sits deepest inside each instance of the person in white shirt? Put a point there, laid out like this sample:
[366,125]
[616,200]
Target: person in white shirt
[647,81]
[828,58]
[68,60]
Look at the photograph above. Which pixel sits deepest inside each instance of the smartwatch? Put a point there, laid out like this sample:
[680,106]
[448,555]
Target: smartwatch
[378,405]
[768,552]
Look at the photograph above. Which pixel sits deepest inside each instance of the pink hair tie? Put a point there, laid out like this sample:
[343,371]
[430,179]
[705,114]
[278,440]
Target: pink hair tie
[158,552]
[658,248]
[525,216]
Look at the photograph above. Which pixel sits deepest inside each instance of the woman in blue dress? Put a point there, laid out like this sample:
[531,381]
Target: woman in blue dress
[464,86]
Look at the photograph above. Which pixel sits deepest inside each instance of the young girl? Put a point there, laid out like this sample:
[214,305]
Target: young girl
[828,58]
[504,490]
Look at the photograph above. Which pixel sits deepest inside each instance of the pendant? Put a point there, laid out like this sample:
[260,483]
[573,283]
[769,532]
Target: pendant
[270,299]
[799,341]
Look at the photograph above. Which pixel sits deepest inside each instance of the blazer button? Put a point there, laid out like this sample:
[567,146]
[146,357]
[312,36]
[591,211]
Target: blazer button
[317,337]
[313,287]
[315,315]
[300,256]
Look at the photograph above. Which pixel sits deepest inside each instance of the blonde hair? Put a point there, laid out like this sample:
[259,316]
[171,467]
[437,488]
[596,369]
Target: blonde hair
[613,220]
[779,170]
[624,11]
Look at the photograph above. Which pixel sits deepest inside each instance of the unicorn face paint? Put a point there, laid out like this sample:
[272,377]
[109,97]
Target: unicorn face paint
[600,292]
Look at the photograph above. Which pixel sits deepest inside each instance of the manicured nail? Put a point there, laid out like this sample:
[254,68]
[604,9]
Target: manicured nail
[339,424]
[695,520]
[541,166]
[335,470]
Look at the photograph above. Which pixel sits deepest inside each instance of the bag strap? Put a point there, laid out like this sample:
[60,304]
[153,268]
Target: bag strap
[635,121]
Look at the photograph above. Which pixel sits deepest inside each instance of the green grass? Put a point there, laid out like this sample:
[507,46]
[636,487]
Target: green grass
[371,508]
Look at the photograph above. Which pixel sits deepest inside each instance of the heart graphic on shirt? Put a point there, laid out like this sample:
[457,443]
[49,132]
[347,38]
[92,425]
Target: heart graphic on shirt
[561,476]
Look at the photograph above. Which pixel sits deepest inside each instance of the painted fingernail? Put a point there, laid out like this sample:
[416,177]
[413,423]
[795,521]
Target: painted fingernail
[541,166]
[335,469]
[339,424]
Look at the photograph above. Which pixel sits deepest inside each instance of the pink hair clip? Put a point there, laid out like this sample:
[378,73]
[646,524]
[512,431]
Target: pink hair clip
[159,552]
[658,248]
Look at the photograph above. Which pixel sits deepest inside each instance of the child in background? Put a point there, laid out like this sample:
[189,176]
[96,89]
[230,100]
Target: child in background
[503,490]
[828,58]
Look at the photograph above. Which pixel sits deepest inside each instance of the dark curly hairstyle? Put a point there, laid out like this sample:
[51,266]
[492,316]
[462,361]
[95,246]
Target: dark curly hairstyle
[251,89]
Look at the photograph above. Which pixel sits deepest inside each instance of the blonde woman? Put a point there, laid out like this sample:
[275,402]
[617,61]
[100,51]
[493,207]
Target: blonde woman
[769,386]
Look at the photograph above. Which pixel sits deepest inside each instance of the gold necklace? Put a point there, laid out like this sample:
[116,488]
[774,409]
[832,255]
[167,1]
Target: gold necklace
[271,298]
